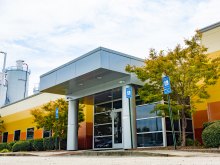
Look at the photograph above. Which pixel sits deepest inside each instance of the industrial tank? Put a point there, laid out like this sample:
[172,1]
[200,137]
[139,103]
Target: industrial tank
[3,89]
[17,78]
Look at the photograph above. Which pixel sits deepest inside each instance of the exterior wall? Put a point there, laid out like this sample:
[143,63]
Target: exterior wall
[17,116]
[85,133]
[211,39]
[209,109]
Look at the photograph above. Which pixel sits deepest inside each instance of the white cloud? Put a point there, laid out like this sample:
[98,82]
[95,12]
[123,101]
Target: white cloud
[48,33]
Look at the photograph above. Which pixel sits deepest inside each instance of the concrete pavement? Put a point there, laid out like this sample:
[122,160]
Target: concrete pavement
[140,153]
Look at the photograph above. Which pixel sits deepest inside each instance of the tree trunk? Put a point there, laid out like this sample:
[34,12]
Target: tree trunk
[59,143]
[183,117]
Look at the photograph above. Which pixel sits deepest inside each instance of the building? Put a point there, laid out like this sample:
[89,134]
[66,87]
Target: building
[18,121]
[210,109]
[115,117]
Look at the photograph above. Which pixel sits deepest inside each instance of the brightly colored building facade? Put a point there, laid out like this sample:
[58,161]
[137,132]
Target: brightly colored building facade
[18,121]
[112,118]
[209,110]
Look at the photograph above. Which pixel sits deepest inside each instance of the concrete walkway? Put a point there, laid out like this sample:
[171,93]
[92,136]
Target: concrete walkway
[142,153]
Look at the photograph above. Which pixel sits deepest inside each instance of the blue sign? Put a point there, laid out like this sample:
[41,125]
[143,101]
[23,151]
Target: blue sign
[129,92]
[57,113]
[166,85]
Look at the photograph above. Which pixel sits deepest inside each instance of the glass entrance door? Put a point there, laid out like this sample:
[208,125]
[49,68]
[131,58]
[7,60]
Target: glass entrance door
[117,128]
[108,119]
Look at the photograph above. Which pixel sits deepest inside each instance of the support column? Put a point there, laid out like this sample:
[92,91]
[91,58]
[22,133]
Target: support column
[129,119]
[72,129]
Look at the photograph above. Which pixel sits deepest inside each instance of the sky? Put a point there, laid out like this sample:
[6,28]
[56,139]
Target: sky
[49,33]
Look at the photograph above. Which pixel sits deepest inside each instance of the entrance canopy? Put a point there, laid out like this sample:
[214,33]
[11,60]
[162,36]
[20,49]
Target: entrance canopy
[93,72]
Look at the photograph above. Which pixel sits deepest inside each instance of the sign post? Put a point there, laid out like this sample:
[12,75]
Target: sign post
[129,96]
[56,117]
[167,91]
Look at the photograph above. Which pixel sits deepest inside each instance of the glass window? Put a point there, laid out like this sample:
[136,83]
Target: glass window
[102,130]
[47,133]
[5,137]
[188,125]
[103,107]
[145,111]
[102,118]
[103,142]
[149,125]
[103,97]
[168,124]
[30,133]
[150,139]
[117,93]
[189,136]
[17,135]
[170,138]
[117,104]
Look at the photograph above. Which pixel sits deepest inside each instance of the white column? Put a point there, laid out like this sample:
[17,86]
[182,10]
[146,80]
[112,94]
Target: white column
[129,119]
[164,131]
[72,129]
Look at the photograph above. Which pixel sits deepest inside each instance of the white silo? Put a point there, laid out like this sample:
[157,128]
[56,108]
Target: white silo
[3,89]
[17,81]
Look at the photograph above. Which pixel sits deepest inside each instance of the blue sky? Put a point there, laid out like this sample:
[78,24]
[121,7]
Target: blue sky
[49,33]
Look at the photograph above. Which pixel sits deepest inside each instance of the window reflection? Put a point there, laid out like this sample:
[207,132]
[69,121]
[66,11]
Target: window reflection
[149,125]
[150,139]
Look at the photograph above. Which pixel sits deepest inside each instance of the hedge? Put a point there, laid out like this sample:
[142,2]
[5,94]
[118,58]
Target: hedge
[211,135]
[21,146]
[3,146]
[49,143]
[38,145]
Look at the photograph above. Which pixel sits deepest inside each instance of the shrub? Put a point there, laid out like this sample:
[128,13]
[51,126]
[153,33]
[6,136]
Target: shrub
[189,142]
[31,145]
[49,143]
[206,124]
[4,151]
[10,145]
[21,146]
[211,135]
[38,145]
[3,146]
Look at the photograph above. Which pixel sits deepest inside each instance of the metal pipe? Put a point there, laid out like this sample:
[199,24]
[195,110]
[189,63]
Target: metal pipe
[25,85]
[4,63]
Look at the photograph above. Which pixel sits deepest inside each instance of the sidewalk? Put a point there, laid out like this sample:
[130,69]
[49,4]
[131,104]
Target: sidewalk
[142,153]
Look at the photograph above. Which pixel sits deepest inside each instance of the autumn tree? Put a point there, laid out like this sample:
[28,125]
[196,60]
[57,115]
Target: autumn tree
[190,70]
[1,125]
[44,117]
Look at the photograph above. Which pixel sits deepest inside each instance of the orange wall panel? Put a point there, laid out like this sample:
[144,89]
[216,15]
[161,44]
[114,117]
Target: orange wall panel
[10,138]
[199,117]
[38,134]
[214,111]
[23,136]
[198,134]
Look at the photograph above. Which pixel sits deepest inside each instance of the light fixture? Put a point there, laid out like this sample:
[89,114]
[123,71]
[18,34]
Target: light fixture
[121,82]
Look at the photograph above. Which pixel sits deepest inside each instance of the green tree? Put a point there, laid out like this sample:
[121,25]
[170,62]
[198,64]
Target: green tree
[1,125]
[44,117]
[190,70]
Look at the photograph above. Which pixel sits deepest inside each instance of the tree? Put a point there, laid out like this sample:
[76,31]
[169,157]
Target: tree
[190,70]
[44,117]
[1,125]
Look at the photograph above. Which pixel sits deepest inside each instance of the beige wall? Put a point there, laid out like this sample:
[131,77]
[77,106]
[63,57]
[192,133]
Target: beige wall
[28,103]
[211,39]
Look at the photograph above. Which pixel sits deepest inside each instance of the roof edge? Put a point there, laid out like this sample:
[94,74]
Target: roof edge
[210,27]
[89,53]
